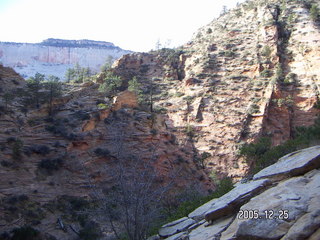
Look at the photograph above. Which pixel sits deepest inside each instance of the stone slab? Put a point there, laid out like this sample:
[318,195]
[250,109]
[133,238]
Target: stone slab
[293,164]
[204,232]
[170,230]
[224,205]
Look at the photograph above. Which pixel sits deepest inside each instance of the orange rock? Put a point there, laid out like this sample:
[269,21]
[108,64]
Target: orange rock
[125,99]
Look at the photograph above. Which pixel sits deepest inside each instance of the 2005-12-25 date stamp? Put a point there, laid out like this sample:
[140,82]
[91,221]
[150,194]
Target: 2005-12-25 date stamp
[268,214]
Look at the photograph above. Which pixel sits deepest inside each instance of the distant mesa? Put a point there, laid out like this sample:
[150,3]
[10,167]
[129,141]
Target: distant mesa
[54,56]
[76,43]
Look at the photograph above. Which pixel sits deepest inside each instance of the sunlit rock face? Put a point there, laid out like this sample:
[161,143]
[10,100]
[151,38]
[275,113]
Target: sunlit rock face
[55,56]
[226,85]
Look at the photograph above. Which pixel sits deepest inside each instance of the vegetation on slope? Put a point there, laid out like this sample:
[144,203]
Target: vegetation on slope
[262,154]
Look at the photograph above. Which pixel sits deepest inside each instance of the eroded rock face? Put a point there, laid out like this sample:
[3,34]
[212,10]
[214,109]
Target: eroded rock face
[286,209]
[125,99]
[223,83]
[72,156]
[9,79]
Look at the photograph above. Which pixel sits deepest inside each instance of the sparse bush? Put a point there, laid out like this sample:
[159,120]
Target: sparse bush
[51,165]
[102,152]
[135,86]
[317,104]
[229,53]
[153,131]
[16,149]
[90,232]
[102,106]
[25,233]
[40,149]
[82,115]
[178,94]
[266,73]
[189,130]
[261,154]
[58,128]
[201,160]
[254,108]
[187,206]
[5,163]
[160,110]
[290,78]
[256,149]
[11,140]
[266,51]
[111,84]
[279,73]
[315,13]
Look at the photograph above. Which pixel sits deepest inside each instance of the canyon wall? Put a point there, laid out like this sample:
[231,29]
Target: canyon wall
[252,72]
[55,56]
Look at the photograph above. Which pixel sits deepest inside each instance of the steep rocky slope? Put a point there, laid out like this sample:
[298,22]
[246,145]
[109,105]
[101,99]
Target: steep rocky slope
[55,56]
[52,165]
[281,202]
[9,79]
[252,72]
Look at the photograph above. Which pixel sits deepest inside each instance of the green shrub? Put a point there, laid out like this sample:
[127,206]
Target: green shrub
[290,78]
[266,51]
[186,207]
[178,94]
[266,73]
[254,108]
[111,84]
[314,12]
[229,53]
[256,149]
[279,73]
[261,154]
[102,106]
[201,160]
[189,130]
[317,104]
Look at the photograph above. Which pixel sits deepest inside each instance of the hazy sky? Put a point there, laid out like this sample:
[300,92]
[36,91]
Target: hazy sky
[130,24]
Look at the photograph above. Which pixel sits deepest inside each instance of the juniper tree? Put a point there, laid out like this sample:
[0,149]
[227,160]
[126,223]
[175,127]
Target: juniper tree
[53,87]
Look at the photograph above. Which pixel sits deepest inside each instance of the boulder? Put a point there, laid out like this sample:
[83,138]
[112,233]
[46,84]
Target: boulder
[226,204]
[293,164]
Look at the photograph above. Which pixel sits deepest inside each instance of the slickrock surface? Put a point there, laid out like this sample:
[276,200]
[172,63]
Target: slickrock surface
[287,209]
